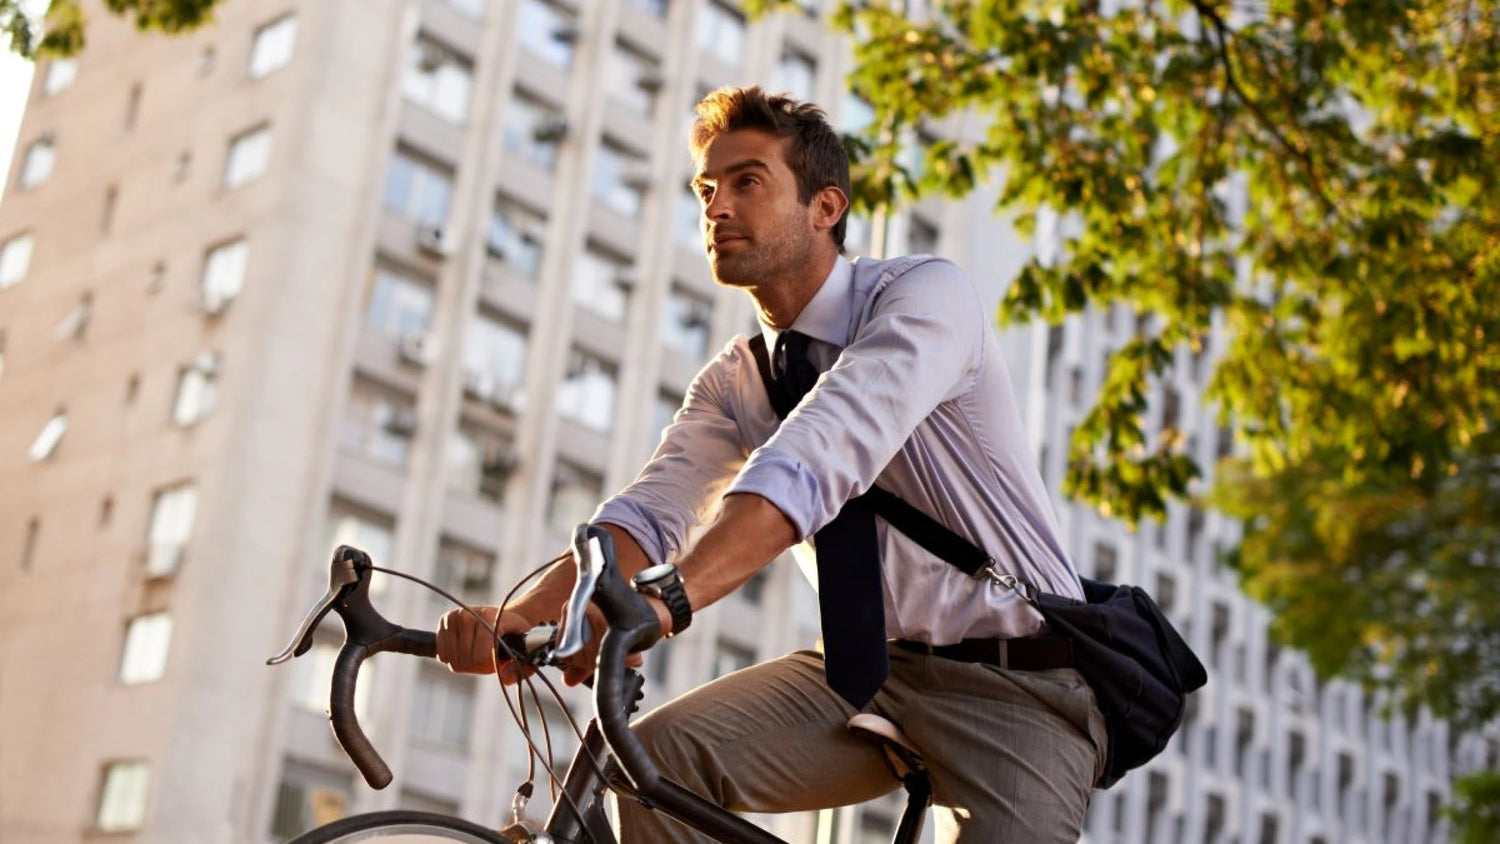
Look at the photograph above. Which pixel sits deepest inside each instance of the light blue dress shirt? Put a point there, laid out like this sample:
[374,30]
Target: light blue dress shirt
[915,396]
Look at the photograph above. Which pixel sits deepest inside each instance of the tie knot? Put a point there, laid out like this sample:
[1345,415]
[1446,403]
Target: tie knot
[791,350]
[793,369]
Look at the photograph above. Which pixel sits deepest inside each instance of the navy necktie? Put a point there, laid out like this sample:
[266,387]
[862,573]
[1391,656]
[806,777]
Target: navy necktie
[851,601]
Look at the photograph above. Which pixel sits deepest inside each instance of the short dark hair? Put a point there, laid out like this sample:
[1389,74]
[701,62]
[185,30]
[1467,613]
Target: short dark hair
[814,151]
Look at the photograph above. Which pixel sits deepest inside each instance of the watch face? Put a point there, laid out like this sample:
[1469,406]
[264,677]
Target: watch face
[649,576]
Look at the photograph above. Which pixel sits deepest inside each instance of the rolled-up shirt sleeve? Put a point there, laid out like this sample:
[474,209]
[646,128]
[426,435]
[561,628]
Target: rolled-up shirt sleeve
[922,345]
[699,454]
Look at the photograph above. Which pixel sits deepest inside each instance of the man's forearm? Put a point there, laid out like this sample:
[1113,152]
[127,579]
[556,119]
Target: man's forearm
[749,532]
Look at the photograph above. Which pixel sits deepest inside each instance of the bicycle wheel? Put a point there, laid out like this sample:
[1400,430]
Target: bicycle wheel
[402,826]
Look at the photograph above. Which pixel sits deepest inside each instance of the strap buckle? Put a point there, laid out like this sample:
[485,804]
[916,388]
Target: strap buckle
[990,571]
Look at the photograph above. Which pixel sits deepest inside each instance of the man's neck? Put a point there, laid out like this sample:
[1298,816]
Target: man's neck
[779,305]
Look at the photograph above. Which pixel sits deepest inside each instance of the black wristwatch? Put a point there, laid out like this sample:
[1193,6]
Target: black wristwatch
[665,582]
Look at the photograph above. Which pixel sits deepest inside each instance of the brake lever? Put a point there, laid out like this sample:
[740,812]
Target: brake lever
[342,576]
[588,555]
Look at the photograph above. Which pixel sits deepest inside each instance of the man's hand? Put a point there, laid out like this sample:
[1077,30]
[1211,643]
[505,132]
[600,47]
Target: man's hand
[580,666]
[465,646]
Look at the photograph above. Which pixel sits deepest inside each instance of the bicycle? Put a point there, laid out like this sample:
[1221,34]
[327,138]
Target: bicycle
[609,757]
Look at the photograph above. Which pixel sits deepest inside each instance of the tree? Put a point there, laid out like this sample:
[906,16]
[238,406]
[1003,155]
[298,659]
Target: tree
[1309,180]
[62,29]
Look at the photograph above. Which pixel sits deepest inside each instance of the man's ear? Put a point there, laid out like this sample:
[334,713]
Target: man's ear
[828,207]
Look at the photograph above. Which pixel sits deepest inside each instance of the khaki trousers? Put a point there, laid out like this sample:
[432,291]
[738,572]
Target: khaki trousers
[1012,755]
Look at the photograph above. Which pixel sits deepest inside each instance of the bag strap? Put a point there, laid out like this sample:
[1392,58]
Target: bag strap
[921,528]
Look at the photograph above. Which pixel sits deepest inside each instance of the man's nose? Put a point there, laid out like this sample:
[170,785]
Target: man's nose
[718,208]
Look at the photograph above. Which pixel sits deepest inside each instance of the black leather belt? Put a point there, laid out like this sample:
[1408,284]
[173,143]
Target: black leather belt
[1032,653]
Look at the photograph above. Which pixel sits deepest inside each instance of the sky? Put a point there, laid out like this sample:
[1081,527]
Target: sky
[15,82]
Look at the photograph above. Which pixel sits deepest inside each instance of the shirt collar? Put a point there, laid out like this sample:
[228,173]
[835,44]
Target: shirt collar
[828,314]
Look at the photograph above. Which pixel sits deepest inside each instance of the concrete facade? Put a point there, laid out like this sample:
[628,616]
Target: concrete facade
[459,322]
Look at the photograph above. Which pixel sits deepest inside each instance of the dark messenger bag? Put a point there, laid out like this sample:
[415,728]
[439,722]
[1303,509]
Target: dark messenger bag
[1139,667]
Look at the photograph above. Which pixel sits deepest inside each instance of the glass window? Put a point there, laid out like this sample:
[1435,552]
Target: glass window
[173,512]
[620,179]
[418,190]
[372,536]
[272,48]
[60,76]
[685,323]
[547,31]
[464,572]
[309,796]
[655,7]
[438,79]
[51,434]
[224,274]
[858,114]
[921,237]
[515,237]
[472,8]
[663,410]
[730,657]
[378,424]
[197,390]
[15,259]
[687,220]
[601,283]
[249,153]
[533,130]
[442,706]
[479,463]
[76,323]
[721,32]
[587,393]
[37,166]
[146,642]
[399,305]
[576,493]
[796,74]
[633,78]
[494,361]
[312,679]
[122,796]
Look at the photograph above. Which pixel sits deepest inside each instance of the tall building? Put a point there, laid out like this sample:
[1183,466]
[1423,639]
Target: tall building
[423,276]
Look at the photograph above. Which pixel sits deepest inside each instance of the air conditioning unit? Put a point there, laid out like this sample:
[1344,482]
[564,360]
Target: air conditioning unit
[567,33]
[651,81]
[626,280]
[550,129]
[430,239]
[506,397]
[500,461]
[431,57]
[402,422]
[479,385]
[637,178]
[417,349]
[697,316]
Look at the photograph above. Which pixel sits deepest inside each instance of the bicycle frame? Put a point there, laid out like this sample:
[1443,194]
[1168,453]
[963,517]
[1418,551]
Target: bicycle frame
[609,757]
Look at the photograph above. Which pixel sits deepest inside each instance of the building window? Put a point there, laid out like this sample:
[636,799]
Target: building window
[224,274]
[60,76]
[312,679]
[418,190]
[472,8]
[76,323]
[173,512]
[442,706]
[272,48]
[52,433]
[479,463]
[372,536]
[37,166]
[197,390]
[687,220]
[147,640]
[1106,562]
[399,306]
[515,237]
[576,493]
[122,796]
[133,105]
[15,259]
[602,283]
[378,424]
[494,362]
[685,323]
[655,7]
[857,116]
[634,78]
[547,31]
[730,657]
[308,796]
[587,393]
[249,153]
[533,130]
[721,33]
[28,545]
[921,236]
[620,179]
[438,79]
[796,74]
[663,411]
[463,572]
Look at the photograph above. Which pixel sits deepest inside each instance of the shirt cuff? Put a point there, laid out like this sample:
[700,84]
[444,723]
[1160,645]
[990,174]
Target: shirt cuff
[786,482]
[632,518]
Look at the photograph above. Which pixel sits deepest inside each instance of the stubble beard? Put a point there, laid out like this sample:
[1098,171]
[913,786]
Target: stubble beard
[762,261]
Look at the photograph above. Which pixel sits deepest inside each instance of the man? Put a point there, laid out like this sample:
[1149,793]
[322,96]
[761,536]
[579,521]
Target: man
[910,392]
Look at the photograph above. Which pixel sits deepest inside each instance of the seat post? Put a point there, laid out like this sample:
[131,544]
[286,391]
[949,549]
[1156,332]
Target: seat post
[918,798]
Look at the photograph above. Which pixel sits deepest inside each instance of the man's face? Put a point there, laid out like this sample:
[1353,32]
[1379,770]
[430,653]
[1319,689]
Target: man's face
[754,227]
